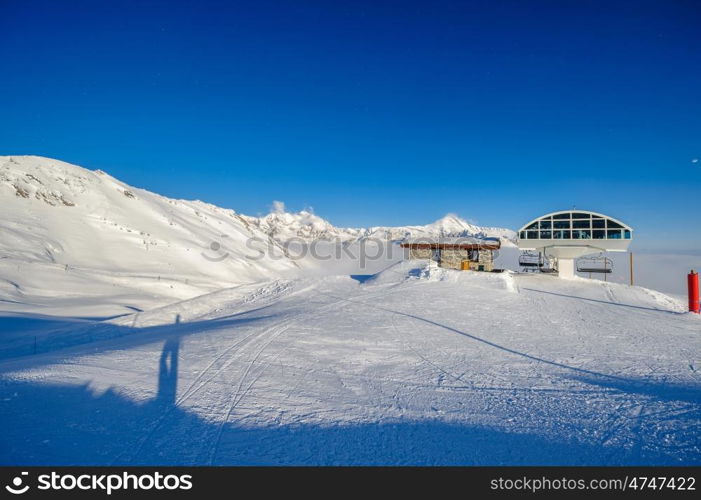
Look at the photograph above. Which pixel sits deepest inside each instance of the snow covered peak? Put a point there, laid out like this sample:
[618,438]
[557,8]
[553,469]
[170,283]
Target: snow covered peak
[451,224]
[48,181]
[285,226]
[57,183]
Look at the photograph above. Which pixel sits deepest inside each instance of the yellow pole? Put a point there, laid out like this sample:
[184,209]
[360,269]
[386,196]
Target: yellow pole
[631,268]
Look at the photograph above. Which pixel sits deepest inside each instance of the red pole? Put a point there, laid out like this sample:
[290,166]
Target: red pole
[693,280]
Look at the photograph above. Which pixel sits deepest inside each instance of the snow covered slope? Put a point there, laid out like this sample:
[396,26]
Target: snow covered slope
[70,232]
[75,241]
[415,365]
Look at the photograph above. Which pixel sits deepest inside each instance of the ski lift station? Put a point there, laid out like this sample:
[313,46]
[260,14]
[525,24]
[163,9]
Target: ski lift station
[563,237]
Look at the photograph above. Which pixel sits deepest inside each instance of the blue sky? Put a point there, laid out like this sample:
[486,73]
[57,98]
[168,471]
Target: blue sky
[376,113]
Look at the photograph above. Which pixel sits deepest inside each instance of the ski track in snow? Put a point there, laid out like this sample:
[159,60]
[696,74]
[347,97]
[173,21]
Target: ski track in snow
[411,367]
[258,342]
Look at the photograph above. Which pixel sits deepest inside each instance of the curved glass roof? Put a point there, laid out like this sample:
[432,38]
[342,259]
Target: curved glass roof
[575,225]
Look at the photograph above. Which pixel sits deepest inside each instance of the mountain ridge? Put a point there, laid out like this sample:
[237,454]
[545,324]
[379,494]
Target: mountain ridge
[277,223]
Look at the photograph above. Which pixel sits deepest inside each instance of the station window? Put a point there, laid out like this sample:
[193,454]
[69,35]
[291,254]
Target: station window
[576,226]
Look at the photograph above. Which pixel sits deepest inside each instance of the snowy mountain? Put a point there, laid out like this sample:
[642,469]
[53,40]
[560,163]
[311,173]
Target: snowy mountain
[449,226]
[85,234]
[82,232]
[284,226]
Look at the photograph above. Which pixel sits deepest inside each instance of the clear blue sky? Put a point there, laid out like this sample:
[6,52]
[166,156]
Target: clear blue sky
[372,113]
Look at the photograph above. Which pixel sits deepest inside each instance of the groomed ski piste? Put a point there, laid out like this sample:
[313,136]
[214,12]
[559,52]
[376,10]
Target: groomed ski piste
[135,330]
[416,365]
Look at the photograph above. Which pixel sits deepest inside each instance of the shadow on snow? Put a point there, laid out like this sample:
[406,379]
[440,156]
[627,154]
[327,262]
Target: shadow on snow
[606,302]
[71,425]
[47,424]
[28,338]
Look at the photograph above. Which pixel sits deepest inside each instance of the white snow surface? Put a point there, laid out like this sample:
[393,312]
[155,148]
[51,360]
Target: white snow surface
[414,365]
[284,361]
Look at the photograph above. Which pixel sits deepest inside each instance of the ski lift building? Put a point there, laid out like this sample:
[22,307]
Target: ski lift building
[564,236]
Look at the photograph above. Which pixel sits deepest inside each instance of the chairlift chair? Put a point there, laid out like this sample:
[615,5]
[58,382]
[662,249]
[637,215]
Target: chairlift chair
[600,265]
[531,261]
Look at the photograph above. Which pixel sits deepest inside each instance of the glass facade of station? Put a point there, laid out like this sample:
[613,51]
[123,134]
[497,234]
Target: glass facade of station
[575,226]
